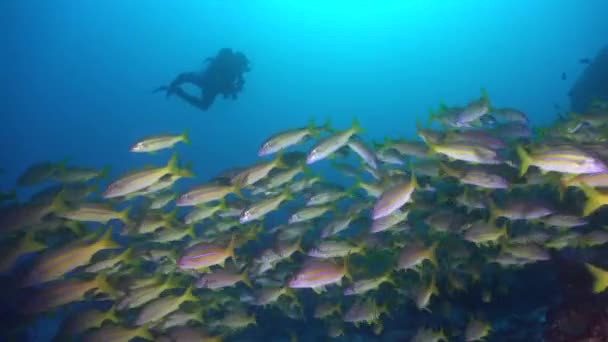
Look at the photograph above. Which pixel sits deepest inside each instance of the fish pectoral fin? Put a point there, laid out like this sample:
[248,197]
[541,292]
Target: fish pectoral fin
[202,270]
[319,289]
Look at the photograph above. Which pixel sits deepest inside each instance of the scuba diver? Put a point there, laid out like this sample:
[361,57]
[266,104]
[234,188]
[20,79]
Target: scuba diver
[223,75]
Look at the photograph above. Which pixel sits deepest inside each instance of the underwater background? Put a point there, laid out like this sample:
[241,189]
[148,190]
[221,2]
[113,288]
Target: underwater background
[81,73]
[79,79]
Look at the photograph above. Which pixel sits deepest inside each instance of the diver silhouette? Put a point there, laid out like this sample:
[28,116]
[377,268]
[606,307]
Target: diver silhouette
[223,75]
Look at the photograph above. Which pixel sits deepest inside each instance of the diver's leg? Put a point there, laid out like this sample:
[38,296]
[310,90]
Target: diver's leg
[185,77]
[207,98]
[193,100]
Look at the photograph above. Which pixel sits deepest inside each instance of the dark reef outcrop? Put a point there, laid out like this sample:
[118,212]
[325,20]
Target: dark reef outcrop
[592,84]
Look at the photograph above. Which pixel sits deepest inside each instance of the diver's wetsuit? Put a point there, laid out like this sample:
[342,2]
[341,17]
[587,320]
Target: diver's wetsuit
[223,75]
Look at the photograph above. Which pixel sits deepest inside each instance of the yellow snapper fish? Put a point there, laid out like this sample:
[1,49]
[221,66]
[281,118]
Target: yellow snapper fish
[237,320]
[63,292]
[429,335]
[362,286]
[413,256]
[161,142]
[140,180]
[95,212]
[203,255]
[180,318]
[158,308]
[54,263]
[476,330]
[110,261]
[288,138]
[186,333]
[423,294]
[86,319]
[251,175]
[144,292]
[331,144]
[260,209]
[25,244]
[600,278]
[207,193]
[117,333]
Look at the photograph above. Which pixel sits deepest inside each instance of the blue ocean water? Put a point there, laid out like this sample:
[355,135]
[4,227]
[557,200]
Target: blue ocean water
[78,75]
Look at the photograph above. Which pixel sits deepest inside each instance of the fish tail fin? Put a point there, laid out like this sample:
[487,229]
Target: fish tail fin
[299,245]
[600,278]
[312,128]
[170,216]
[356,128]
[106,241]
[103,173]
[191,231]
[30,244]
[493,209]
[484,96]
[110,315]
[61,166]
[351,191]
[358,182]
[449,171]
[279,162]
[58,204]
[144,332]
[383,309]
[327,126]
[378,145]
[188,296]
[524,160]
[413,181]
[127,254]
[236,188]
[124,215]
[185,136]
[245,279]
[289,292]
[594,200]
[101,280]
[287,196]
[432,117]
[186,171]
[230,247]
[432,147]
[221,205]
[172,166]
[441,335]
[432,255]
[418,126]
[76,227]
[504,232]
[562,187]
[388,277]
[345,268]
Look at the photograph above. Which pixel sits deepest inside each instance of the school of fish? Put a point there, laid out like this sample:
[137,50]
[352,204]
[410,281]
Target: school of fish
[422,218]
